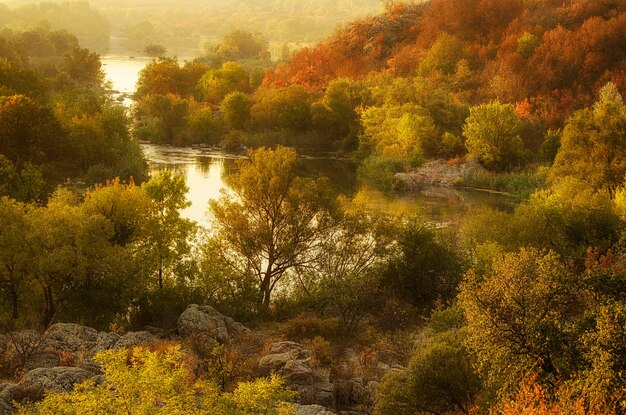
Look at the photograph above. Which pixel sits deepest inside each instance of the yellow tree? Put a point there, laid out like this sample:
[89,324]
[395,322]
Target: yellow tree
[273,221]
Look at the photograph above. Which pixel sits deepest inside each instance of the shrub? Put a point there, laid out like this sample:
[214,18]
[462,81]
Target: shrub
[309,327]
[145,382]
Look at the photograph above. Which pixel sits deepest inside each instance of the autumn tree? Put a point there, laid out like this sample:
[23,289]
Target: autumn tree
[518,314]
[236,109]
[492,133]
[215,84]
[353,254]
[14,257]
[167,240]
[273,221]
[593,144]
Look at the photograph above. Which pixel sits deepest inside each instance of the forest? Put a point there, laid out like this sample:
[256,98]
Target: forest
[295,300]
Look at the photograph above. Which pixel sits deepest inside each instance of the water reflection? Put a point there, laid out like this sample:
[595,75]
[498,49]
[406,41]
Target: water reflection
[206,173]
[203,171]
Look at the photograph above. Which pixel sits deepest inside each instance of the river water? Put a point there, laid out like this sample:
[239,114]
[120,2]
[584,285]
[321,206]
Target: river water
[206,171]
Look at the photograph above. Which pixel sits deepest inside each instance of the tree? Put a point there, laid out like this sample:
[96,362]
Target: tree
[274,221]
[154,50]
[526,44]
[241,44]
[161,118]
[438,380]
[215,84]
[236,109]
[82,66]
[29,132]
[519,317]
[492,132]
[14,256]
[167,240]
[424,270]
[593,144]
[348,269]
[144,382]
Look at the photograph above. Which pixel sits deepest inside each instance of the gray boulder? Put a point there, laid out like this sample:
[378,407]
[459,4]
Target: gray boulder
[58,379]
[207,321]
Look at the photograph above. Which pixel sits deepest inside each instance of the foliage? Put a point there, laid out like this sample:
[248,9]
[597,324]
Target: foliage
[424,270]
[236,110]
[349,266]
[526,44]
[492,133]
[519,317]
[145,382]
[593,145]
[275,222]
[439,378]
[215,84]
[167,76]
[168,234]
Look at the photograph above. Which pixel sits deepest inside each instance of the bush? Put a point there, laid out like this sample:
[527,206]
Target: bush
[522,184]
[146,382]
[309,327]
[380,171]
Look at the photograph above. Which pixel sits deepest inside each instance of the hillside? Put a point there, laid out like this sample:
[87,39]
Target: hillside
[551,55]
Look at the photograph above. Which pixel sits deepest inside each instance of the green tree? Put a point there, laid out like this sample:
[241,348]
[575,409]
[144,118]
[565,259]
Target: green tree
[217,83]
[161,118]
[593,144]
[526,44]
[167,236]
[29,132]
[14,257]
[492,133]
[348,269]
[425,269]
[438,380]
[273,221]
[82,66]
[154,50]
[236,109]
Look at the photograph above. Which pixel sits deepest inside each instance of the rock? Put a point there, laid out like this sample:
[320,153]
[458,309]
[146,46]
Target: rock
[58,379]
[8,393]
[436,173]
[360,394]
[133,339]
[320,393]
[297,372]
[70,337]
[273,362]
[208,321]
[40,359]
[105,341]
[286,347]
[312,410]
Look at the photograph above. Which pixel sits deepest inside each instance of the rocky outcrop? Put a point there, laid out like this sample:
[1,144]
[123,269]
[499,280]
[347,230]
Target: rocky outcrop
[205,320]
[436,173]
[63,355]
[58,379]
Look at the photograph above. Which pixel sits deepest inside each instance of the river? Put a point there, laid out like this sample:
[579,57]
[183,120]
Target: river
[206,171]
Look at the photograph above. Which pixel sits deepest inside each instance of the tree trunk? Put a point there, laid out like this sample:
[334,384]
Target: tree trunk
[265,291]
[14,308]
[160,272]
[50,308]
